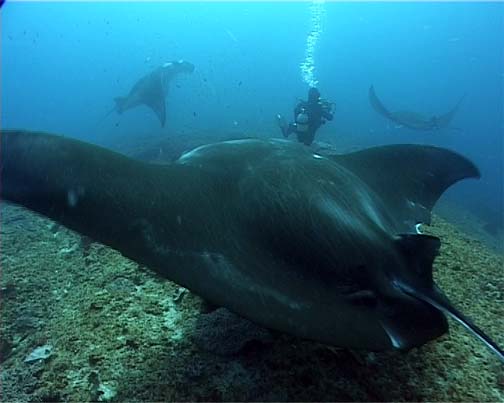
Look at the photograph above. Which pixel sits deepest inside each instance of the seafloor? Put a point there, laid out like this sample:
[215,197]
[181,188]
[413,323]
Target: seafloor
[79,322]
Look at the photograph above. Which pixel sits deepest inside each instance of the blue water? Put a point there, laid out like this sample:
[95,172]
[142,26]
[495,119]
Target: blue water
[62,64]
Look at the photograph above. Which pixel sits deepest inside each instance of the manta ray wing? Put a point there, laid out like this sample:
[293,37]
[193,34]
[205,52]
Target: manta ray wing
[377,104]
[444,121]
[422,173]
[155,100]
[152,93]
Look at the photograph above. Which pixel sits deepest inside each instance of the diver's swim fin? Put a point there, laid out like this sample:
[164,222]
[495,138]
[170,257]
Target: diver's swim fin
[282,124]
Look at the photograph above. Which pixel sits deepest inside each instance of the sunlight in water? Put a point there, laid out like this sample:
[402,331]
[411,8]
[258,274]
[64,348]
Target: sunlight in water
[317,12]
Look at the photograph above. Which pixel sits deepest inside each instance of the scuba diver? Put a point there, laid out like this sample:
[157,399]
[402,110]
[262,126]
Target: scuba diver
[308,117]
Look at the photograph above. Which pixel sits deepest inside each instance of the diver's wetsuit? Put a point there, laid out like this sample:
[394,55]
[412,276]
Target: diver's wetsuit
[318,112]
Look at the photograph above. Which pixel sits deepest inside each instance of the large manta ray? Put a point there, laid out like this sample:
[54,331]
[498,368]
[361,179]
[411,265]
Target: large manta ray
[411,119]
[324,248]
[151,90]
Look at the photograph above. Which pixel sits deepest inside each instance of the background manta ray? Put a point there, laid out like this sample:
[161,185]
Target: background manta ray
[412,119]
[151,90]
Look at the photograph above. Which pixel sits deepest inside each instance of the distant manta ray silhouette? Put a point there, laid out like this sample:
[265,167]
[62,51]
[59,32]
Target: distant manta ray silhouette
[151,89]
[411,119]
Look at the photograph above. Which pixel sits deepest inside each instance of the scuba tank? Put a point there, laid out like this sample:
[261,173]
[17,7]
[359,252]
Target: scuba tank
[302,121]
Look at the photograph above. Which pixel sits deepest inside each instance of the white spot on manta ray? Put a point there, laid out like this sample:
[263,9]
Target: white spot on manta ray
[73,195]
[72,198]
[191,154]
[186,157]
[239,141]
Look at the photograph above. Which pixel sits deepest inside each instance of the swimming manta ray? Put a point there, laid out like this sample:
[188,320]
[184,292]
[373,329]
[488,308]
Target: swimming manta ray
[411,119]
[324,248]
[151,90]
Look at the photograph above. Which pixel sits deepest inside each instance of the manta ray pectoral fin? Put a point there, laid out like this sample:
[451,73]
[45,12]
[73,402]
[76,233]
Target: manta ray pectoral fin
[82,186]
[157,104]
[409,178]
[377,104]
[443,121]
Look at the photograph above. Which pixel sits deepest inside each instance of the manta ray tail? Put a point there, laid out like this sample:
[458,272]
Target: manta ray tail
[377,104]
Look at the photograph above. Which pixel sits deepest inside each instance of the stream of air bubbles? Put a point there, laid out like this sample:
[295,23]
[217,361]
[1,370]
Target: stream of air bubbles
[317,13]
